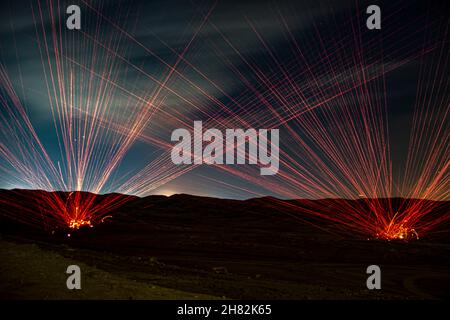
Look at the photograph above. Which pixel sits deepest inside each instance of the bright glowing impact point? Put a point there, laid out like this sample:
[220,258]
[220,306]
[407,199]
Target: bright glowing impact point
[398,232]
[77,224]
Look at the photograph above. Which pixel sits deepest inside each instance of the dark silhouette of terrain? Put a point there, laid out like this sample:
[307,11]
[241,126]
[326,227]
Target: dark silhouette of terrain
[254,249]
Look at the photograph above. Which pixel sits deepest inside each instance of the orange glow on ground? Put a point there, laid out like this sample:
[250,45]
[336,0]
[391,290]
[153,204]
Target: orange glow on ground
[398,231]
[77,224]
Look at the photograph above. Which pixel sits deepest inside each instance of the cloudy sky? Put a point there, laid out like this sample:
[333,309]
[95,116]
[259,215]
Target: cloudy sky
[137,70]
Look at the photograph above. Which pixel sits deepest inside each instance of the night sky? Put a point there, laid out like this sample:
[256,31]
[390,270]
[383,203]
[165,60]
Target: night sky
[228,51]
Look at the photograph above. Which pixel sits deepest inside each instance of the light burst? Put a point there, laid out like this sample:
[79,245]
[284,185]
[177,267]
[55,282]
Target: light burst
[327,93]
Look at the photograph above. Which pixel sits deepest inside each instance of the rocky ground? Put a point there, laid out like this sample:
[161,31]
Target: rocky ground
[202,248]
